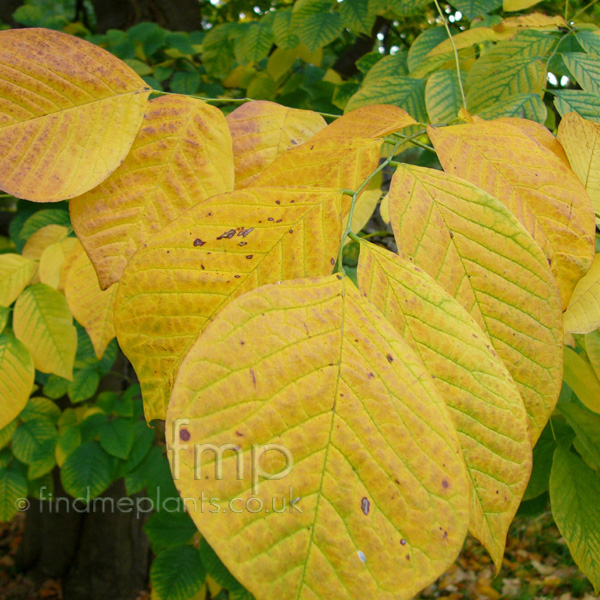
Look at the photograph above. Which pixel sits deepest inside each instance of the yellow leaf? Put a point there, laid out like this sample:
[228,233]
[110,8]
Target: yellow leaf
[592,347]
[16,383]
[312,58]
[485,405]
[336,162]
[384,209]
[515,5]
[60,97]
[16,272]
[478,252]
[468,38]
[43,322]
[374,121]
[281,61]
[581,140]
[214,252]
[581,378]
[534,20]
[263,130]
[91,306]
[42,239]
[377,473]
[52,260]
[536,185]
[583,313]
[181,156]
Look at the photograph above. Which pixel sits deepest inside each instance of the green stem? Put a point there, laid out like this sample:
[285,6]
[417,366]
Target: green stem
[371,235]
[562,39]
[456,57]
[567,11]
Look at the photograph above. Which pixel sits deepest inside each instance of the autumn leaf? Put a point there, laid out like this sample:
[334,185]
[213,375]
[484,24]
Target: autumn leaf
[583,313]
[61,95]
[181,156]
[16,272]
[16,383]
[214,252]
[380,492]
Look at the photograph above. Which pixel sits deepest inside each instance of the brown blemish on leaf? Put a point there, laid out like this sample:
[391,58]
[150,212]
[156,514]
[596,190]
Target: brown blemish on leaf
[270,219]
[445,484]
[403,542]
[239,433]
[246,232]
[370,375]
[199,242]
[332,261]
[237,276]
[291,231]
[242,243]
[365,505]
[277,202]
[184,435]
[390,358]
[253,377]
[227,235]
[249,256]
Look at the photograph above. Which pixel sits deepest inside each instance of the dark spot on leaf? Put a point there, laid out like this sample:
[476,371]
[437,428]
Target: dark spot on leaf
[408,557]
[390,358]
[292,201]
[227,235]
[365,505]
[277,202]
[339,276]
[246,232]
[184,435]
[253,377]
[270,219]
[242,243]
[239,433]
[249,256]
[291,231]
[370,375]
[202,267]
[278,220]
[199,242]
[332,261]
[237,276]
[445,483]
[242,342]
[451,235]
[397,481]
[403,542]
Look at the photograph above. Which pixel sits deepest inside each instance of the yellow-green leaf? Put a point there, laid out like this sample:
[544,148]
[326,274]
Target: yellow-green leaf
[442,96]
[592,347]
[373,121]
[69,113]
[365,205]
[16,383]
[263,130]
[583,313]
[469,37]
[515,5]
[43,322]
[534,183]
[581,378]
[181,156]
[313,367]
[580,139]
[214,252]
[42,239]
[16,272]
[52,260]
[477,251]
[485,405]
[575,500]
[92,307]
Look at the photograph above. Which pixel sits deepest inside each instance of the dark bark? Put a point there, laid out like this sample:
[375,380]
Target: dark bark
[103,553]
[176,15]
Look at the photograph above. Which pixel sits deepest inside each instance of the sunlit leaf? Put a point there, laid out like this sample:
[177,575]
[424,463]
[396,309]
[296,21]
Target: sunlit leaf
[485,405]
[585,68]
[181,156]
[583,313]
[581,378]
[315,24]
[442,96]
[262,130]
[60,97]
[586,104]
[42,239]
[16,383]
[515,5]
[536,185]
[16,272]
[212,253]
[43,322]
[52,260]
[376,462]
[478,252]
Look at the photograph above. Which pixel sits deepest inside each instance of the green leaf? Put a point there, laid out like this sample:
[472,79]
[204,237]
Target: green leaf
[584,103]
[524,106]
[13,487]
[38,408]
[68,439]
[475,8]
[30,437]
[407,8]
[6,433]
[177,574]
[56,387]
[139,477]
[589,41]
[181,42]
[141,68]
[405,92]
[586,70]
[185,82]
[315,25]
[16,382]
[575,500]
[586,425]
[87,471]
[151,35]
[142,442]
[91,425]
[166,529]
[39,219]
[511,67]
[215,568]
[43,322]
[442,96]
[256,42]
[4,315]
[285,36]
[117,437]
[84,385]
[388,66]
[217,54]
[356,16]
[421,47]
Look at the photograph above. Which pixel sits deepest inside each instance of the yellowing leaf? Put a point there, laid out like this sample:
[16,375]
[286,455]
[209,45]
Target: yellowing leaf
[592,347]
[377,471]
[478,252]
[181,156]
[580,376]
[581,140]
[534,183]
[52,260]
[365,205]
[485,405]
[535,20]
[262,130]
[384,209]
[43,322]
[583,313]
[92,307]
[336,162]
[468,38]
[68,116]
[515,5]
[16,383]
[42,239]
[375,121]
[16,272]
[214,252]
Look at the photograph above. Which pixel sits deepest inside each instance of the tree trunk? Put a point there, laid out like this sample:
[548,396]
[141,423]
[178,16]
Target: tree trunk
[177,15]
[100,554]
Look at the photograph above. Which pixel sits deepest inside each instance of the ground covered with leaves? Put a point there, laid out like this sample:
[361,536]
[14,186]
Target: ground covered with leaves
[525,574]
